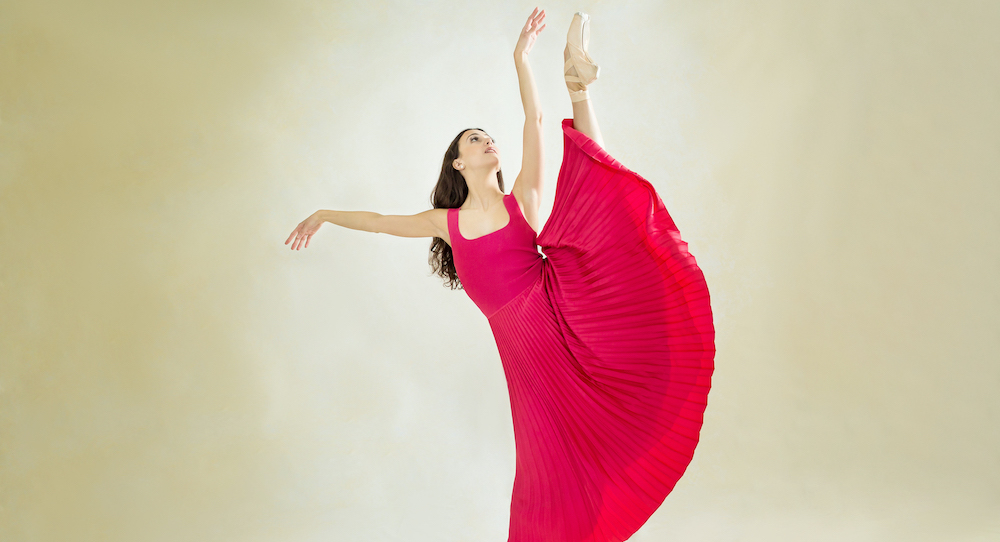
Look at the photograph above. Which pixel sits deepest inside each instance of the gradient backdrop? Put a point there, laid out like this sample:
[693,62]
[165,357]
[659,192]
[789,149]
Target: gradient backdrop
[169,370]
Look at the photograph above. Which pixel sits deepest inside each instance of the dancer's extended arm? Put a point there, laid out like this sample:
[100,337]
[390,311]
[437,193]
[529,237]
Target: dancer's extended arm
[528,186]
[431,223]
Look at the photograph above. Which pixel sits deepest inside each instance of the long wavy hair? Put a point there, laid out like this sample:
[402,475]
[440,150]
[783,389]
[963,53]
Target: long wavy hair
[450,192]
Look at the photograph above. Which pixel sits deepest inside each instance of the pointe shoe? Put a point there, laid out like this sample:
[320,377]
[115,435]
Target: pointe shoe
[580,69]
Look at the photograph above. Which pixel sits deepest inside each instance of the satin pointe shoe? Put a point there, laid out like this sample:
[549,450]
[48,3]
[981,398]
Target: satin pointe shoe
[580,69]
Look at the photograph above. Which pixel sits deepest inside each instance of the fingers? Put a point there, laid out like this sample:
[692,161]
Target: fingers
[294,237]
[536,18]
[540,20]
[301,242]
[298,239]
[527,24]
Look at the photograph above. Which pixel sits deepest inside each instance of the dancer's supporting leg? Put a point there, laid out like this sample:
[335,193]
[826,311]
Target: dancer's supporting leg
[580,71]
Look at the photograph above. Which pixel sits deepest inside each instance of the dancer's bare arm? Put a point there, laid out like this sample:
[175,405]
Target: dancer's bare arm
[528,186]
[432,223]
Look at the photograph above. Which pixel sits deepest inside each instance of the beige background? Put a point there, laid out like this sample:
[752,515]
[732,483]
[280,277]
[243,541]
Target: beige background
[169,370]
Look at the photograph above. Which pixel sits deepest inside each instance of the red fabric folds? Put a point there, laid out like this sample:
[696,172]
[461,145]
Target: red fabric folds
[608,355]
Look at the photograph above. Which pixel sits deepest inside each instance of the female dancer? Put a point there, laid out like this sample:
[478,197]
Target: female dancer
[607,340]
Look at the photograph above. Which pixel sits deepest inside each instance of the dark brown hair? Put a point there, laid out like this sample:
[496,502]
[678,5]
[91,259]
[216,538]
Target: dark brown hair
[449,193]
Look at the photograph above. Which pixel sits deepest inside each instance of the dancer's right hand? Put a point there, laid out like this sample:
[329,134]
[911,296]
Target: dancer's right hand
[304,231]
[530,32]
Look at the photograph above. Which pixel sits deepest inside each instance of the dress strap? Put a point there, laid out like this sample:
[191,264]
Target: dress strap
[453,232]
[512,207]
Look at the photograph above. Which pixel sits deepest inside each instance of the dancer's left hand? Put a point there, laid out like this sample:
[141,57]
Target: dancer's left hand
[530,32]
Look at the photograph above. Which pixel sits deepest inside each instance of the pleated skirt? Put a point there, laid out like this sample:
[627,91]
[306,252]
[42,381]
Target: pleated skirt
[608,357]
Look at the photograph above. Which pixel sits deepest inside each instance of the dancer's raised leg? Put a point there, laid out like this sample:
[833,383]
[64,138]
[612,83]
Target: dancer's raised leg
[584,120]
[580,71]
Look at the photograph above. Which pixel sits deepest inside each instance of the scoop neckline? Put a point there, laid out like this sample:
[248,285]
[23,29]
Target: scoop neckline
[510,218]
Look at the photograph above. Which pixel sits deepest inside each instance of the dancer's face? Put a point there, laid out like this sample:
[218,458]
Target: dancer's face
[476,150]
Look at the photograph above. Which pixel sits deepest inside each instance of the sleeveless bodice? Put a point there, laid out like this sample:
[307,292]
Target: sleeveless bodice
[495,267]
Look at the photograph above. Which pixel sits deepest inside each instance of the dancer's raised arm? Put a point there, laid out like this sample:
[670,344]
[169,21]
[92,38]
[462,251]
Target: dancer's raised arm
[431,223]
[528,186]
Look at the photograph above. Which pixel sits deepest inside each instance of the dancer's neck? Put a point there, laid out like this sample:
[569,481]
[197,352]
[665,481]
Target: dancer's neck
[484,190]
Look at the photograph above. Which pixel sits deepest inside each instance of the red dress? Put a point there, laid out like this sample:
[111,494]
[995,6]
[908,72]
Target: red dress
[607,344]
